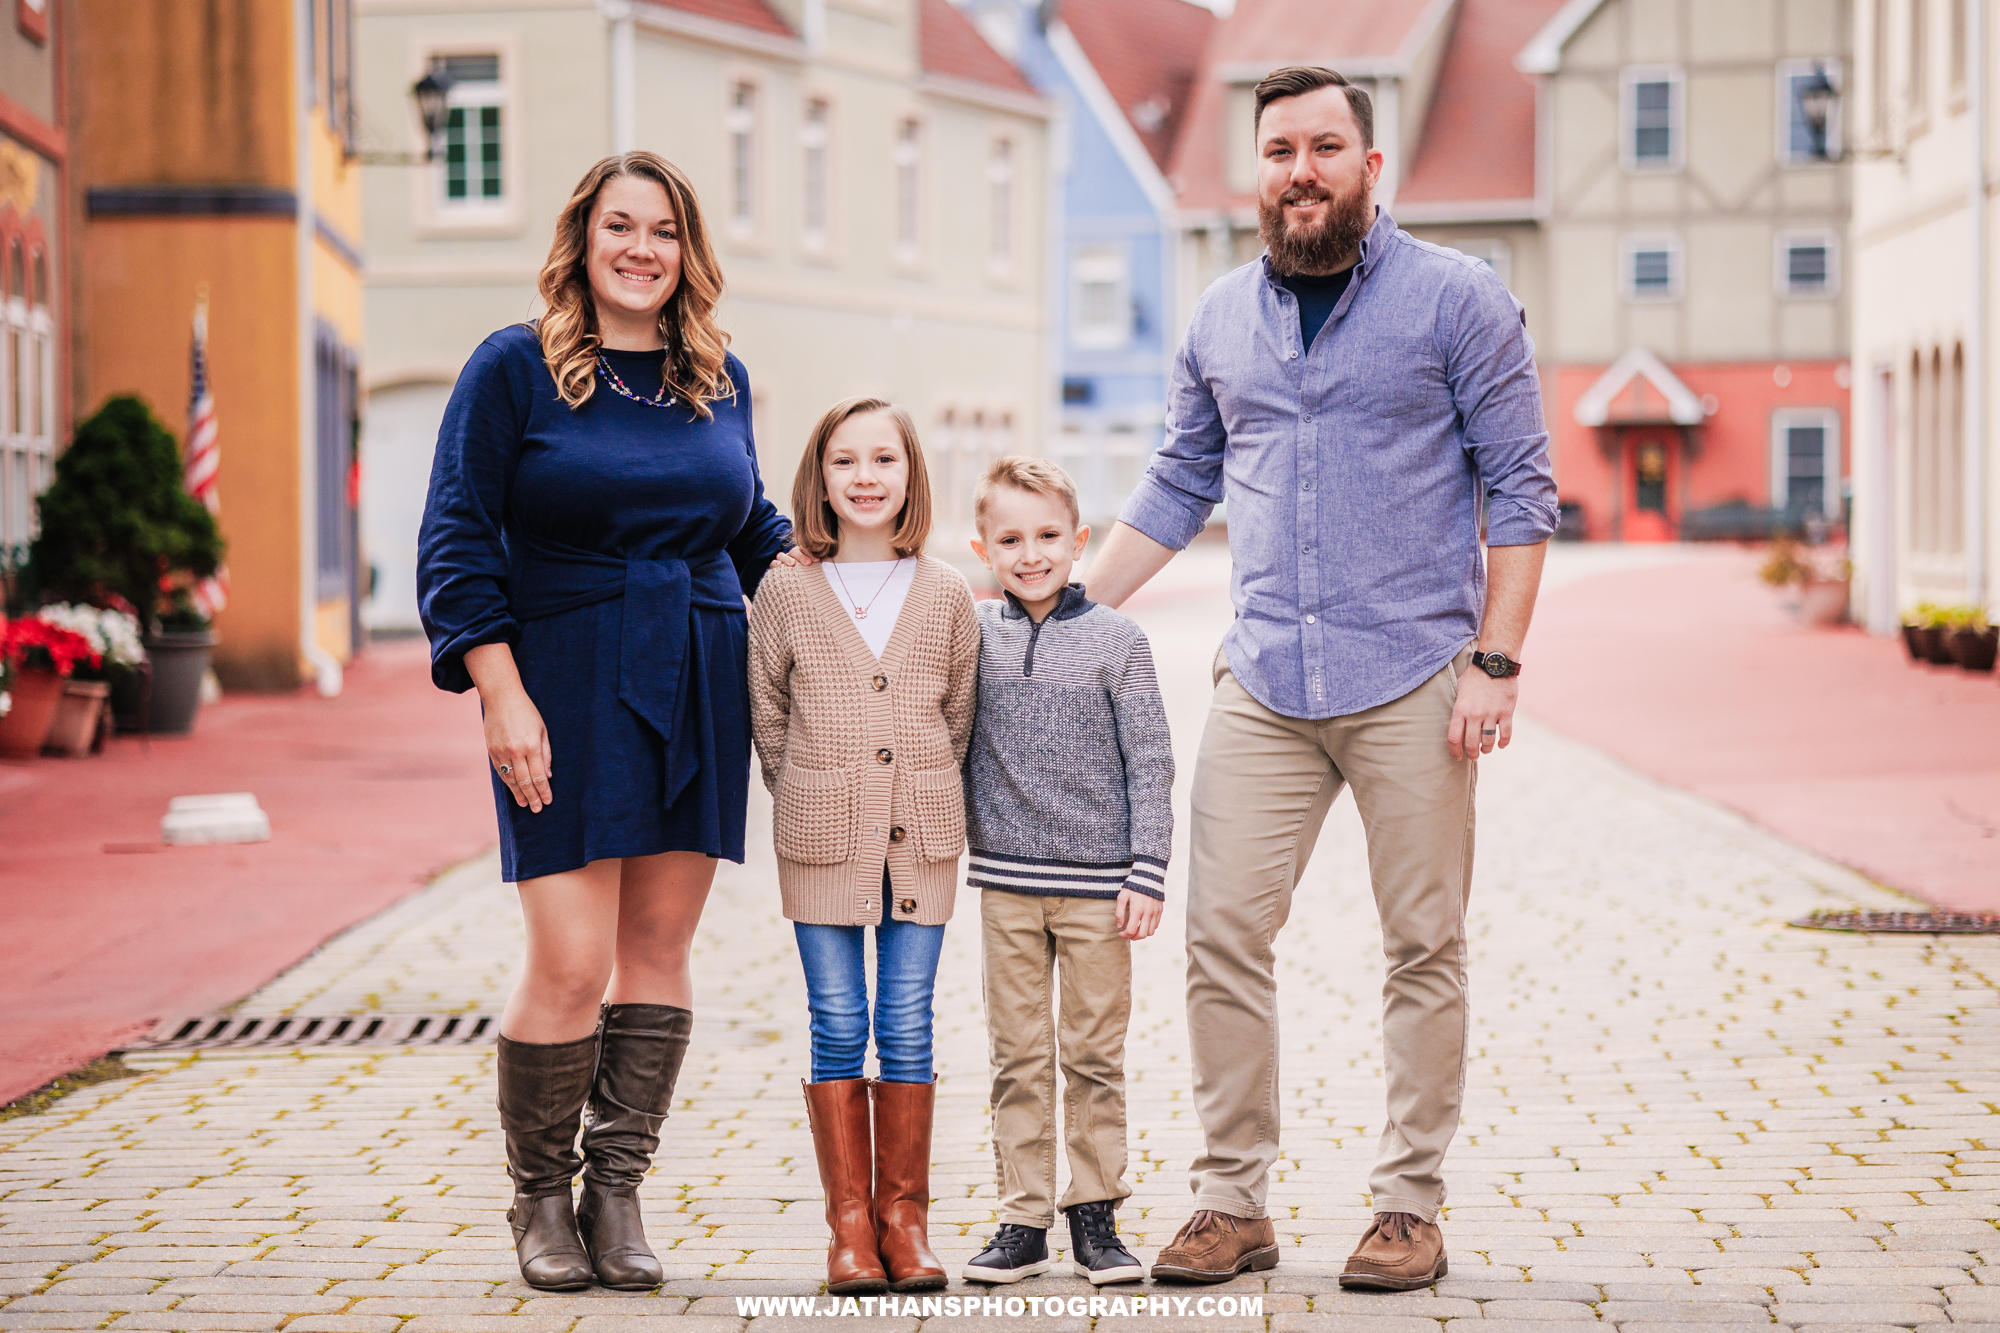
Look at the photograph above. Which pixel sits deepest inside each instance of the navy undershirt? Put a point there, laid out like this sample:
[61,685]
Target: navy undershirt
[1316,297]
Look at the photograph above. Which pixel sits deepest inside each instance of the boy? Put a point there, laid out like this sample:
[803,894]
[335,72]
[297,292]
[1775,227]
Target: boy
[1069,825]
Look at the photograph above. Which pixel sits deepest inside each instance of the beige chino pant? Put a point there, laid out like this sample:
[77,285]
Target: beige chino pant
[1032,947]
[1262,787]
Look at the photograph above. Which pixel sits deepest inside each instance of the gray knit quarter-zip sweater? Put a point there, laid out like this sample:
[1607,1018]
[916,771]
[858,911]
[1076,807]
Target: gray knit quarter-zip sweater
[1070,774]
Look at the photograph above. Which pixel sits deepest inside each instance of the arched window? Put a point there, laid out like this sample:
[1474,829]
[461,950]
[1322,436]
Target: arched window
[17,272]
[41,278]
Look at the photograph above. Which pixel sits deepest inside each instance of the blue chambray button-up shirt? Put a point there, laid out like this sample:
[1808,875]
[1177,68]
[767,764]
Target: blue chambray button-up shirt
[1354,469]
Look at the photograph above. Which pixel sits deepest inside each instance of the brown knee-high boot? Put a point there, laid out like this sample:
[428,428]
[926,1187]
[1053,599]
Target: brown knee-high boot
[903,1184]
[639,1054]
[542,1087]
[838,1112]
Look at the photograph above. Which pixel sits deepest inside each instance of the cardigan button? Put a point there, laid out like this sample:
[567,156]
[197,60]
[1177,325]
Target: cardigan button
[884,756]
[896,833]
[908,904]
[880,683]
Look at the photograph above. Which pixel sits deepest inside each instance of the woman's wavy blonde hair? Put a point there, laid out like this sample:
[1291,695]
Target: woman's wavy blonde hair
[568,328]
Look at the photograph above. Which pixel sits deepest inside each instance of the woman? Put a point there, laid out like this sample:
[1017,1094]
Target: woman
[595,519]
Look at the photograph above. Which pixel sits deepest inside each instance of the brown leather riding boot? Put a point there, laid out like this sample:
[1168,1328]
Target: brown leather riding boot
[542,1087]
[639,1053]
[903,1184]
[838,1112]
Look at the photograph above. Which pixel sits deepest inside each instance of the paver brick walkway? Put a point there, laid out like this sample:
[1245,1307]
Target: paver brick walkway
[1680,1112]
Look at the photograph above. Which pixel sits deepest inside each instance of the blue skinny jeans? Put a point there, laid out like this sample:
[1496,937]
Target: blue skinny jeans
[906,963]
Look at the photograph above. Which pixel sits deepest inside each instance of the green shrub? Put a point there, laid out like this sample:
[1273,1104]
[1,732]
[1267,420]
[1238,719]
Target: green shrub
[117,522]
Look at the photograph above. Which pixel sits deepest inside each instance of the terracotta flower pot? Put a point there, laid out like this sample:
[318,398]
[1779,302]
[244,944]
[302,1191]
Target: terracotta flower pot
[1974,649]
[25,729]
[1823,601]
[73,730]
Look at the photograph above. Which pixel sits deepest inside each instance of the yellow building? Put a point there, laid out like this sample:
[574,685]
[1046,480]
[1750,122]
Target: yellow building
[212,147]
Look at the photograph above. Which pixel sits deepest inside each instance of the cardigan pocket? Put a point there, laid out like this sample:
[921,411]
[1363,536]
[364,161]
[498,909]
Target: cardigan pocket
[815,815]
[939,798]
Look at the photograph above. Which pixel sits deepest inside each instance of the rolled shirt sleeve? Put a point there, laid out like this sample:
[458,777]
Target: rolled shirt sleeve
[461,555]
[1490,363]
[1183,483]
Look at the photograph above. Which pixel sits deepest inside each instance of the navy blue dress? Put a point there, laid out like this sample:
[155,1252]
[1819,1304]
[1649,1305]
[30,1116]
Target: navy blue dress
[612,546]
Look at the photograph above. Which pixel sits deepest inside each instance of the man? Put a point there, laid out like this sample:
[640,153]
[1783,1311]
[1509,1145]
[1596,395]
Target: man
[1357,396]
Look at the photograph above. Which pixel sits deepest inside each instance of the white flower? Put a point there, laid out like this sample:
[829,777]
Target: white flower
[113,634]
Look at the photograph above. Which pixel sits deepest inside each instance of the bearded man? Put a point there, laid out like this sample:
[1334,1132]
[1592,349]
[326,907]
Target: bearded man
[1358,396]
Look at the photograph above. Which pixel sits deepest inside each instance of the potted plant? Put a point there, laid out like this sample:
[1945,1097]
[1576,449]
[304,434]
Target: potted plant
[117,526]
[1917,631]
[41,656]
[1969,640]
[114,635]
[1821,578]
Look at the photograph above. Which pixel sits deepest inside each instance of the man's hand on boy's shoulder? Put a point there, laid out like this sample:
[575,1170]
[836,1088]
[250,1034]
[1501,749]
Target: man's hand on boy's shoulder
[1138,914]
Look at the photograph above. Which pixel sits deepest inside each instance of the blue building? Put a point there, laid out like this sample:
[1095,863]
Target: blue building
[1122,73]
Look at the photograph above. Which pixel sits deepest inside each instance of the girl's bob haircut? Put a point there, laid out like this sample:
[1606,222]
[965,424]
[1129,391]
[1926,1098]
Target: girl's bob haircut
[814,524]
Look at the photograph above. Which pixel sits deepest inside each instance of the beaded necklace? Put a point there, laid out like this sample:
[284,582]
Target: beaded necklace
[659,399]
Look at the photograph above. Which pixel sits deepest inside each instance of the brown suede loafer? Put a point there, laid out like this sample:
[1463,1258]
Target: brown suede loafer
[1214,1247]
[1398,1252]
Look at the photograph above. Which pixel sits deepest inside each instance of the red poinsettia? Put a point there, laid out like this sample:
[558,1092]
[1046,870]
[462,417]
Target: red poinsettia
[30,643]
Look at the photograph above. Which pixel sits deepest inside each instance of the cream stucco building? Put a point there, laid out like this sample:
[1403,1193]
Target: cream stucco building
[1922,241]
[873,171]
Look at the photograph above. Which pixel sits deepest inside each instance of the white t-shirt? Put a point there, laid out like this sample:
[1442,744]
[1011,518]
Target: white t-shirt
[878,585]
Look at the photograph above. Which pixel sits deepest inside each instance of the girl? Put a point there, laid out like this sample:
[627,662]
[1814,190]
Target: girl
[862,678]
[595,517]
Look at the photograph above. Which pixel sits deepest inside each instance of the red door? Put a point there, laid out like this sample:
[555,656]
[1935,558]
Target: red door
[1650,478]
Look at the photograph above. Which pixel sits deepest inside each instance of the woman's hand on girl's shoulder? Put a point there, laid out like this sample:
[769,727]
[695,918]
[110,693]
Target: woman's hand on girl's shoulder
[795,558]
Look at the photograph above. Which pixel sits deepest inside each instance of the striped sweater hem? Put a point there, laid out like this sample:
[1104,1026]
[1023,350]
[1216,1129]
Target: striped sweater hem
[1049,878]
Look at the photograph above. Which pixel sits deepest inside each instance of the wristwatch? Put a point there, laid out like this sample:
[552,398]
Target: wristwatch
[1496,665]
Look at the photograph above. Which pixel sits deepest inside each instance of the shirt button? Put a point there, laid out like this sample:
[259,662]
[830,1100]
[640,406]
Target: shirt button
[1308,548]
[884,756]
[896,834]
[1308,486]
[1295,354]
[1310,620]
[1309,418]
[880,683]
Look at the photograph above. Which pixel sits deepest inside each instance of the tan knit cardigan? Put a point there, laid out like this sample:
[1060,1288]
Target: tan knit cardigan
[863,755]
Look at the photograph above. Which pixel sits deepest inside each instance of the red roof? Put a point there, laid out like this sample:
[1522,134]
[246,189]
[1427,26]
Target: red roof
[1270,33]
[950,46]
[1479,141]
[1147,52]
[749,13]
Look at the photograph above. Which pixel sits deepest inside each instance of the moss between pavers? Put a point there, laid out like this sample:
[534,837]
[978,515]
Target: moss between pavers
[103,1069]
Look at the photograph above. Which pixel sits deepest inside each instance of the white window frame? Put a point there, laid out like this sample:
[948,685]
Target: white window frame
[817,137]
[1101,265]
[1630,247]
[907,225]
[1492,251]
[1629,80]
[1787,72]
[27,387]
[1784,419]
[1003,205]
[1781,264]
[743,157]
[437,216]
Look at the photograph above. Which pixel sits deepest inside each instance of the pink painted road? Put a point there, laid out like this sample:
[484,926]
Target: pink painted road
[1697,674]
[369,795]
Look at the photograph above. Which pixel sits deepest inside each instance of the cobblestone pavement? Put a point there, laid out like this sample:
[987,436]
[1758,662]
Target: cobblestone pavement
[1681,1113]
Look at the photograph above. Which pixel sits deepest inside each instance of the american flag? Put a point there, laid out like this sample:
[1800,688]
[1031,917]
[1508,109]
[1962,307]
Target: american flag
[204,456]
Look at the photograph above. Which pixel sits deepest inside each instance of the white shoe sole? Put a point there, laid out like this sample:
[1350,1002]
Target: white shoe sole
[1001,1276]
[1129,1273]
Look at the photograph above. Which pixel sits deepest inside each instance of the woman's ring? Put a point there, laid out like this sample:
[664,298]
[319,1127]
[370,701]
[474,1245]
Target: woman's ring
[505,769]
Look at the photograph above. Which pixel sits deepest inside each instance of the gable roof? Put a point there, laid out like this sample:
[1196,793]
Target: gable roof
[1639,388]
[745,13]
[949,46]
[1478,143]
[1146,53]
[1543,53]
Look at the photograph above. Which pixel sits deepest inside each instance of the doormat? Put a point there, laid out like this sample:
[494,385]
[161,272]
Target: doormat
[1903,923]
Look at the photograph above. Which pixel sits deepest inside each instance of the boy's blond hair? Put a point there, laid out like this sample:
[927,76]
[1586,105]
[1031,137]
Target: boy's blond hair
[1037,476]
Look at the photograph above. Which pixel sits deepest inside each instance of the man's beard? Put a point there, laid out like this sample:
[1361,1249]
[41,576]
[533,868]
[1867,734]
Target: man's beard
[1307,249]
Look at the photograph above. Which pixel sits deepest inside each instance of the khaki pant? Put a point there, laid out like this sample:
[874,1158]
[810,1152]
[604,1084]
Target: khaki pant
[1262,788]
[1028,943]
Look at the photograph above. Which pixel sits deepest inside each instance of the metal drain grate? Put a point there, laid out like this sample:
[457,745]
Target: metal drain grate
[215,1032]
[1904,923]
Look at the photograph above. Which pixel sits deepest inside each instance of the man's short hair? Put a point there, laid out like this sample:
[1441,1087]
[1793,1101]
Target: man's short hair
[1037,476]
[1297,80]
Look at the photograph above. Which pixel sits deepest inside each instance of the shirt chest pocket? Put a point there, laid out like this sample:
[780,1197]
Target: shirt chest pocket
[1395,377]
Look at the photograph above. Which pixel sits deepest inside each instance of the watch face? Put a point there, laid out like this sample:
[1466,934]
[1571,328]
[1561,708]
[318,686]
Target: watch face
[1495,665]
